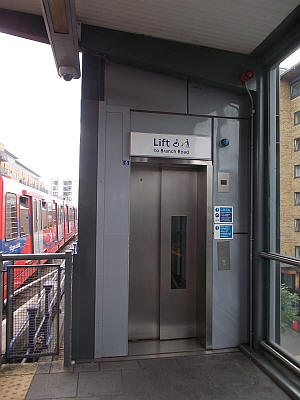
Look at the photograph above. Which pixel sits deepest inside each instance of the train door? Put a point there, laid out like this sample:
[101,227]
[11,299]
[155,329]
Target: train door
[59,222]
[37,226]
[163,253]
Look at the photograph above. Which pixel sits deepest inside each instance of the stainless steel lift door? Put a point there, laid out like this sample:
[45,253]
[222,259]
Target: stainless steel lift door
[144,255]
[163,239]
[178,254]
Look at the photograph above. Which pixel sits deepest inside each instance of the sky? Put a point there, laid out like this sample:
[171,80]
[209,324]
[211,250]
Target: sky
[39,111]
[291,60]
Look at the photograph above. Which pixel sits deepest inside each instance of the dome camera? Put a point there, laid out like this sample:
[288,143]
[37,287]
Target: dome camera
[67,73]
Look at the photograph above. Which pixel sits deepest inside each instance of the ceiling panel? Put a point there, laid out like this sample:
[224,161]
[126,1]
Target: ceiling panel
[235,25]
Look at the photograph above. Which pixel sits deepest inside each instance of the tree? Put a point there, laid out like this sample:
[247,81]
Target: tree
[289,307]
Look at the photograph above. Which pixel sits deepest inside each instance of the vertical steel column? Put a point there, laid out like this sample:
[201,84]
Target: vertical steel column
[68,310]
[9,308]
[47,286]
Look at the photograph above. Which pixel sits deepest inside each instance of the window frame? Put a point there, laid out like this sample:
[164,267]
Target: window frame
[297,113]
[27,200]
[16,200]
[295,166]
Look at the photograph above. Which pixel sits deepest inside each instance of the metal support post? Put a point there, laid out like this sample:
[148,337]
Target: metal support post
[67,315]
[9,307]
[46,339]
[32,310]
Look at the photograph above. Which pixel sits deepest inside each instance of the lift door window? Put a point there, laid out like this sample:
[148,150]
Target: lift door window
[178,252]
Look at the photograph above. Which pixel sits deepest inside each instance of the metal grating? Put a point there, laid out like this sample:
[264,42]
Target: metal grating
[32,315]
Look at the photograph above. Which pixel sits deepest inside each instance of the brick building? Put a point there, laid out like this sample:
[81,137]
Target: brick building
[290,170]
[14,169]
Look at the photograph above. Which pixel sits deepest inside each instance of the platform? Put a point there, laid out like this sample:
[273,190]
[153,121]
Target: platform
[207,377]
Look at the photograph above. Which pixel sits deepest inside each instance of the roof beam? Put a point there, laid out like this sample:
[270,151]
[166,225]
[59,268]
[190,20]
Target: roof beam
[24,25]
[283,41]
[218,67]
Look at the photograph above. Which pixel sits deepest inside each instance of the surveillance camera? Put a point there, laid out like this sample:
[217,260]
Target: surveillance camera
[67,73]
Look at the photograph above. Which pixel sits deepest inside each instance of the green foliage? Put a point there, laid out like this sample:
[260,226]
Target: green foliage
[289,307]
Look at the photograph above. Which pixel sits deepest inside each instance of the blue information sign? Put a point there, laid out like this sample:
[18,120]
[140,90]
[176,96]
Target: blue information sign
[223,231]
[223,215]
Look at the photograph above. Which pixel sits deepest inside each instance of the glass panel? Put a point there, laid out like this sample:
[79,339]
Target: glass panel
[295,89]
[24,216]
[178,252]
[297,198]
[11,220]
[44,215]
[297,118]
[284,328]
[297,144]
[297,170]
[297,225]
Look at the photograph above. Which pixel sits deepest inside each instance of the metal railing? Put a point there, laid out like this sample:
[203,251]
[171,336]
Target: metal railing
[280,258]
[269,345]
[33,310]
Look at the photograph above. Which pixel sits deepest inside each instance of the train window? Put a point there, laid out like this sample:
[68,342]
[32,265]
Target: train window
[11,220]
[49,215]
[54,213]
[24,216]
[44,214]
[61,215]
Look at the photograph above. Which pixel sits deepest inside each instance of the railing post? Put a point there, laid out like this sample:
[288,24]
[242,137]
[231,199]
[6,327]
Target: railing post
[1,303]
[67,315]
[47,286]
[9,307]
[32,310]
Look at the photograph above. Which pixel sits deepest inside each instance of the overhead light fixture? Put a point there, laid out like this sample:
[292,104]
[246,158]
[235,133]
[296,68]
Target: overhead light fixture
[60,21]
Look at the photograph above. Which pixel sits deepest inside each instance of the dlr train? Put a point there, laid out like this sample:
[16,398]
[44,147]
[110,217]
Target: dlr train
[33,222]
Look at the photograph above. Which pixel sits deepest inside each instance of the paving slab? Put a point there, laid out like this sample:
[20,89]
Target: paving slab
[47,386]
[117,365]
[98,383]
[229,376]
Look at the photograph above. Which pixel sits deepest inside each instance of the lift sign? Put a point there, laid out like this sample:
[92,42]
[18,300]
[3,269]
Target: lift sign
[223,215]
[223,231]
[170,146]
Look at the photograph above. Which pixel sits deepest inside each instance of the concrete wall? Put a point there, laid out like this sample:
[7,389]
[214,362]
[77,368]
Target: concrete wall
[138,100]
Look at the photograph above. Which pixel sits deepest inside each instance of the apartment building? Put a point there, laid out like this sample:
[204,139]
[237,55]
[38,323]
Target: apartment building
[12,168]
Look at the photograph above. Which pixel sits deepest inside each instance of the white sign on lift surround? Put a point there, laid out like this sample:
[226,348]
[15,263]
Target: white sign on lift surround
[170,146]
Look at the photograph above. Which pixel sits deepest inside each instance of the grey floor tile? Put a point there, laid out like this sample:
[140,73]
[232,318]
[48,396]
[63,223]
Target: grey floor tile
[117,365]
[58,366]
[47,386]
[262,392]
[86,367]
[159,363]
[43,368]
[142,381]
[99,383]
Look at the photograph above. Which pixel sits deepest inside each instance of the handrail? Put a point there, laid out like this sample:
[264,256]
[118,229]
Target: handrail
[280,258]
[40,256]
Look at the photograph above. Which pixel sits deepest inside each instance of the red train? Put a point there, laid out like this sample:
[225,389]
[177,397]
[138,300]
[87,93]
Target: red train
[32,221]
